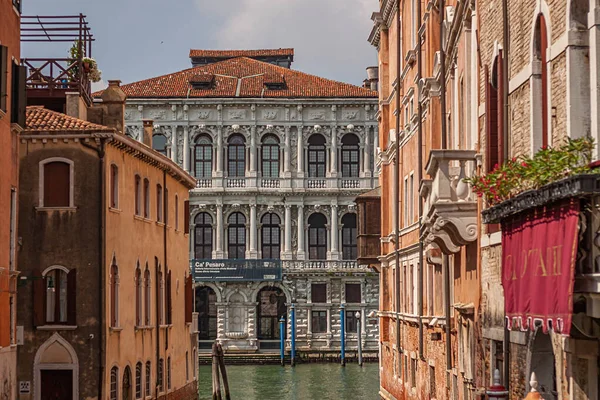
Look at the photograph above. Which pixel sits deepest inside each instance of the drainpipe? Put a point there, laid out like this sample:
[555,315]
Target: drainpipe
[506,44]
[397,185]
[167,295]
[157,293]
[101,260]
[446,264]
[419,198]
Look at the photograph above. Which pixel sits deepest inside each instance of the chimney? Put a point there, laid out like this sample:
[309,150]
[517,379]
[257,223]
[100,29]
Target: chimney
[372,78]
[75,106]
[113,100]
[148,132]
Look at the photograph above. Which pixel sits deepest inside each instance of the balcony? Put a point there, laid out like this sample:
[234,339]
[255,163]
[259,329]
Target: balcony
[204,183]
[323,266]
[248,184]
[316,183]
[270,183]
[450,210]
[350,183]
[235,182]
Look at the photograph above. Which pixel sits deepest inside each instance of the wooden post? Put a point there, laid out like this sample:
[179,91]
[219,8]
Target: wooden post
[216,383]
[221,357]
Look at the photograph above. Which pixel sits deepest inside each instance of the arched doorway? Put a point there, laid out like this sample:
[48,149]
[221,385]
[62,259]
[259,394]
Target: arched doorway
[542,363]
[206,307]
[126,387]
[271,307]
[56,370]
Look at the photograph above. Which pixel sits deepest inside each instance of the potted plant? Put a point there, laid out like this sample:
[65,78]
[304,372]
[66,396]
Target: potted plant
[91,69]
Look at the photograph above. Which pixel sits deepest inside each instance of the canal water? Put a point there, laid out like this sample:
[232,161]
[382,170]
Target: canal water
[303,382]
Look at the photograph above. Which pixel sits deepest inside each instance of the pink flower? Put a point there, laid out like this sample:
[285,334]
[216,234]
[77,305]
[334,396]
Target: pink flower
[524,164]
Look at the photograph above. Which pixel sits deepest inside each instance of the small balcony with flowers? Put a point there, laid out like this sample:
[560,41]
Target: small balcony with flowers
[450,207]
[548,206]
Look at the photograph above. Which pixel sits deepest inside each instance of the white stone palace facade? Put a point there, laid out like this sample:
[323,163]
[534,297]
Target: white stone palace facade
[278,171]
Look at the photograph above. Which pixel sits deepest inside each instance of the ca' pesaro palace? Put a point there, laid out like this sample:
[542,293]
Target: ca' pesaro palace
[551,282]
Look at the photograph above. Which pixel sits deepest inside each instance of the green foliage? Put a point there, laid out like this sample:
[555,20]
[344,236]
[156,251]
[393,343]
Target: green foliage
[524,173]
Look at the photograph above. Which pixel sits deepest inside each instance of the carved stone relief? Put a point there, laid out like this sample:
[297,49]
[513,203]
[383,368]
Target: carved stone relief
[316,115]
[158,114]
[350,114]
[133,131]
[180,145]
[270,114]
[237,114]
[203,114]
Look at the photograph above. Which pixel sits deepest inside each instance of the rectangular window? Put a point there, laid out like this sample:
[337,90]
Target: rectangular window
[148,378]
[176,213]
[353,293]
[405,202]
[19,94]
[319,321]
[13,229]
[318,293]
[413,373]
[166,206]
[411,199]
[146,198]
[186,216]
[432,386]
[159,203]
[138,195]
[411,287]
[114,186]
[351,322]
[3,78]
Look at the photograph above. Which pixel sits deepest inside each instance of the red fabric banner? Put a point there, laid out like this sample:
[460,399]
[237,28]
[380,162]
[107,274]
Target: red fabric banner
[539,248]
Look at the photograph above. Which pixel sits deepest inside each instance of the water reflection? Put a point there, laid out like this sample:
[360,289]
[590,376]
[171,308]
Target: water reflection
[304,382]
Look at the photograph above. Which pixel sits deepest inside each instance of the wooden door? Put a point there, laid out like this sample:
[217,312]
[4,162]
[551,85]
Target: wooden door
[56,384]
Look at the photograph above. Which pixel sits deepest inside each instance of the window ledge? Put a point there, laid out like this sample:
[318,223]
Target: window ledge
[160,223]
[115,210]
[56,327]
[48,209]
[2,114]
[115,328]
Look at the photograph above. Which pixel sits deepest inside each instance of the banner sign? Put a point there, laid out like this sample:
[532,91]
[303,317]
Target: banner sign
[236,270]
[538,267]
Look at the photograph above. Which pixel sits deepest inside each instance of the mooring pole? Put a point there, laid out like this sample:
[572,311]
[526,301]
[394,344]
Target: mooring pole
[282,340]
[221,357]
[293,322]
[359,340]
[343,334]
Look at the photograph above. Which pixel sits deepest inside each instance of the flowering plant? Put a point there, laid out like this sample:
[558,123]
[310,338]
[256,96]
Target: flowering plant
[523,173]
[94,74]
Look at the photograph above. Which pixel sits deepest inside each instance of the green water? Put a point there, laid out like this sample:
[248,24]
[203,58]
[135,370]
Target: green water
[303,382]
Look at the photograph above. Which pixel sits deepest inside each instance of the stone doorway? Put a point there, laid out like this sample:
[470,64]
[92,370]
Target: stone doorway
[271,307]
[543,364]
[56,384]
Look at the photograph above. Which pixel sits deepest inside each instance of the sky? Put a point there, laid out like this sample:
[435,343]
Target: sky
[140,39]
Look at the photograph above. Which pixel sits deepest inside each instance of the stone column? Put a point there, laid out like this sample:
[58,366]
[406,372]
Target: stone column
[375,151]
[287,154]
[287,252]
[333,155]
[174,143]
[366,172]
[253,253]
[300,251]
[334,253]
[219,254]
[219,153]
[252,171]
[300,149]
[186,148]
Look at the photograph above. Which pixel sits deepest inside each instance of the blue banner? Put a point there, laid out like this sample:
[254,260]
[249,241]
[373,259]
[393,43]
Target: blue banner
[236,270]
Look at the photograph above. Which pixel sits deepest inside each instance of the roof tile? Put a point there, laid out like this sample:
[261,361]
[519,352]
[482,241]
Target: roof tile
[39,118]
[241,53]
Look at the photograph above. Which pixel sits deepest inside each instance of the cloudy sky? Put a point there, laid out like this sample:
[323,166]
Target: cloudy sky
[138,39]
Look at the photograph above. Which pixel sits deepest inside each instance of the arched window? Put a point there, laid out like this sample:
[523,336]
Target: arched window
[138,195]
[271,236]
[317,237]
[494,119]
[203,236]
[114,186]
[148,378]
[159,143]
[146,198]
[161,297]
[350,156]
[176,212]
[126,387]
[270,157]
[161,372]
[139,321]
[59,288]
[206,307]
[147,297]
[349,235]
[138,380]
[159,203]
[56,176]
[114,294]
[169,373]
[187,366]
[203,157]
[236,156]
[236,236]
[539,102]
[114,383]
[316,156]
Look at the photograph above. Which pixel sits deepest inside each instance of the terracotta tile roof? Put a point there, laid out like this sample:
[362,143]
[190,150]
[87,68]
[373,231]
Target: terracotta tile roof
[39,118]
[241,53]
[250,75]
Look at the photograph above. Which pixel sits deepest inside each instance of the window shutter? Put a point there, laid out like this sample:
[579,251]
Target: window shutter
[169,300]
[188,299]
[57,181]
[39,299]
[3,77]
[72,297]
[186,216]
[19,95]
[500,107]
